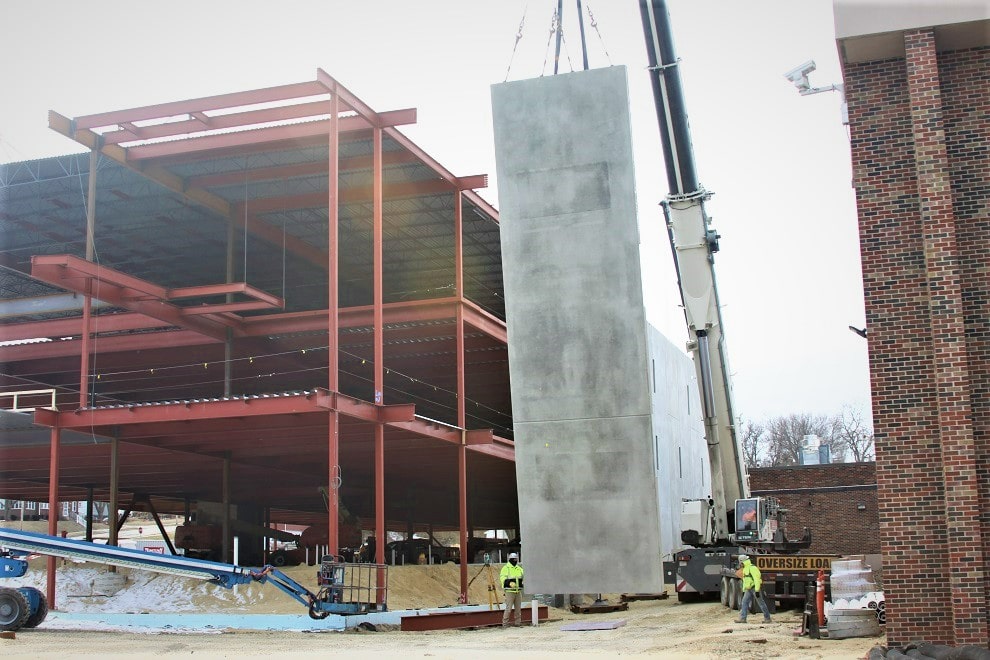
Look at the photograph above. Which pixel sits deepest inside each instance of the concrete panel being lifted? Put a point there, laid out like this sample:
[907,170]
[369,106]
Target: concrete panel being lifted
[578,353]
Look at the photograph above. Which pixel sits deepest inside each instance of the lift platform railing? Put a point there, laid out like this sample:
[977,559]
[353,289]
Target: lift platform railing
[226,575]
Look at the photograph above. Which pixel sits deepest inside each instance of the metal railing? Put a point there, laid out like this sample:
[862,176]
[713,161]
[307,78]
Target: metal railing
[22,394]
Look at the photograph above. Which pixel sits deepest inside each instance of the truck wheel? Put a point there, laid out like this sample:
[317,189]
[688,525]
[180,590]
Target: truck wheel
[14,610]
[278,559]
[723,592]
[35,619]
[736,594]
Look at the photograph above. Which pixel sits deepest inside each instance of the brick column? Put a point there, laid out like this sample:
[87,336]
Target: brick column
[965,592]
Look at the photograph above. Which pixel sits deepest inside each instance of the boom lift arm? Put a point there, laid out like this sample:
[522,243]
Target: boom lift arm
[345,589]
[694,244]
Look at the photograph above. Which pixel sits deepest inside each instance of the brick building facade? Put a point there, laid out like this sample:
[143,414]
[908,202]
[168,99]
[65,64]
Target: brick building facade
[837,502]
[917,84]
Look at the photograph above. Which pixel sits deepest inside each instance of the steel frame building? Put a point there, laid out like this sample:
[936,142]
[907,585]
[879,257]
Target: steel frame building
[248,298]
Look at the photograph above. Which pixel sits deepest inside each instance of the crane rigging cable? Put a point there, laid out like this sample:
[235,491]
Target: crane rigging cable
[553,30]
[594,24]
[519,36]
[556,29]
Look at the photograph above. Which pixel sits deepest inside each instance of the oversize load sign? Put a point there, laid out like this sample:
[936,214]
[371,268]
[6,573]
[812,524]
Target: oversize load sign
[793,563]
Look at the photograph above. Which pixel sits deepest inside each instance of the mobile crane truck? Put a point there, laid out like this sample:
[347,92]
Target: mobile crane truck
[730,522]
[344,589]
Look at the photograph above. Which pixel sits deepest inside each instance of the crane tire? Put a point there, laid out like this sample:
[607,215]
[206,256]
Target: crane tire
[736,594]
[39,615]
[723,592]
[14,609]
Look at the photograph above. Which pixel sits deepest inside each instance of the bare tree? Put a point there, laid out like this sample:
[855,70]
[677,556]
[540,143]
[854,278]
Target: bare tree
[754,444]
[780,440]
[853,433]
[785,436]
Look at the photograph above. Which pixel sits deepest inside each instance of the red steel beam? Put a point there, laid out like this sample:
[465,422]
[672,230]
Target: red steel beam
[118,154]
[75,274]
[202,122]
[363,410]
[73,326]
[204,104]
[347,196]
[352,317]
[257,149]
[260,136]
[297,170]
[377,119]
[58,268]
[482,204]
[488,323]
[476,619]
[107,345]
[442,172]
[184,411]
[499,448]
[430,429]
[478,437]
[218,289]
[224,310]
[350,100]
[472,181]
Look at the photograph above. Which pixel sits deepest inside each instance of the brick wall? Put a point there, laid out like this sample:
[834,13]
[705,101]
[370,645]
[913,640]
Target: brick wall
[920,132]
[826,500]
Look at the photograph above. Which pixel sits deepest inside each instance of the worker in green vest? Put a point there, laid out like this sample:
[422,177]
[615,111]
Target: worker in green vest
[751,583]
[511,577]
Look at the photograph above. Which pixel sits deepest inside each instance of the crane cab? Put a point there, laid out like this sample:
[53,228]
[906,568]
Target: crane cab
[757,520]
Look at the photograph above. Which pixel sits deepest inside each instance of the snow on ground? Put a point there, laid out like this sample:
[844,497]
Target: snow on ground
[80,588]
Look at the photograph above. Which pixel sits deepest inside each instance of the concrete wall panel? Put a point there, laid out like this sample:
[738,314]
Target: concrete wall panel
[577,334]
[681,464]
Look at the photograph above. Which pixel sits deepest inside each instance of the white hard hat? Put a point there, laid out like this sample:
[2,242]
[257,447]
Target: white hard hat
[513,555]
[743,557]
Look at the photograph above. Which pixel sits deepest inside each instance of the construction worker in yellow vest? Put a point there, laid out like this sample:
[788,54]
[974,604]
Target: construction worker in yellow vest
[751,583]
[511,577]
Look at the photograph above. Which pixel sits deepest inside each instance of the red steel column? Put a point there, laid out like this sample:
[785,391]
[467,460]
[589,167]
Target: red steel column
[378,231]
[333,494]
[94,157]
[84,357]
[461,408]
[53,504]
[114,493]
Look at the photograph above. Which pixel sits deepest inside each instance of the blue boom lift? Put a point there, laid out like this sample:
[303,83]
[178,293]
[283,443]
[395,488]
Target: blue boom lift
[344,589]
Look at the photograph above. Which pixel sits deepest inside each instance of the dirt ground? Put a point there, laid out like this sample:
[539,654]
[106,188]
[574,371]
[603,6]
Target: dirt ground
[662,628]
[665,628]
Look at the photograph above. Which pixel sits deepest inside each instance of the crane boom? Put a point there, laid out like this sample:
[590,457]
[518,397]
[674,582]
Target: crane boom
[694,244]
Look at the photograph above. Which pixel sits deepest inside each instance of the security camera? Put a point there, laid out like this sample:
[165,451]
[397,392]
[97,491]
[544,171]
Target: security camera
[799,75]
